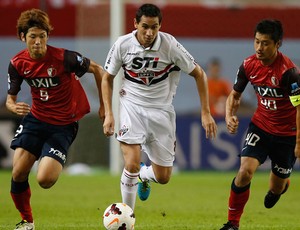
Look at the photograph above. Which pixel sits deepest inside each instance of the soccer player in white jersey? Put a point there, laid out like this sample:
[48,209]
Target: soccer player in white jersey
[151,61]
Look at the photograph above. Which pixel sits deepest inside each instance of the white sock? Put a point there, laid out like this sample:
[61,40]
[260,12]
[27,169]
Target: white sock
[147,173]
[129,187]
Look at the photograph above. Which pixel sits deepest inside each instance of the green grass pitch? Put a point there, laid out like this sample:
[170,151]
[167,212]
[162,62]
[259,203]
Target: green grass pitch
[191,200]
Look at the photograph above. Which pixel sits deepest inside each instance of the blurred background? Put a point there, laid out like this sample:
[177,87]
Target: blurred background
[215,32]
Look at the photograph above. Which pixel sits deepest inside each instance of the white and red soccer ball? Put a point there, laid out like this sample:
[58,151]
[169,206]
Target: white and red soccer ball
[118,216]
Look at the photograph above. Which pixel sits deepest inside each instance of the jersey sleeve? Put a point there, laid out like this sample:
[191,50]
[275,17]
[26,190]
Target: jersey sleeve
[291,81]
[241,80]
[14,80]
[181,57]
[113,61]
[76,63]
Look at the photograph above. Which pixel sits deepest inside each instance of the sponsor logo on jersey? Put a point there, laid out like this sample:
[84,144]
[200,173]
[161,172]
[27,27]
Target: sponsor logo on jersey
[43,82]
[109,58]
[27,72]
[79,59]
[283,170]
[8,81]
[59,154]
[146,62]
[181,48]
[295,87]
[267,91]
[134,54]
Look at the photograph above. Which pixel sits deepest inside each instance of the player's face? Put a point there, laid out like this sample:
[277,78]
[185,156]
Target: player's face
[147,30]
[36,41]
[265,48]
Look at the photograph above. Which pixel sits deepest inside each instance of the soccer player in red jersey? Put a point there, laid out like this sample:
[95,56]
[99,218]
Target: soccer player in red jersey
[274,128]
[50,124]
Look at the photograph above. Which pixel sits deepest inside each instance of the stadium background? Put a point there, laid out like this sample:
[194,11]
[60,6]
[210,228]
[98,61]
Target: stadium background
[211,28]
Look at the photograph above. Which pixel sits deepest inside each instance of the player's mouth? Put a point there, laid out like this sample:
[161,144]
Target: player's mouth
[148,41]
[36,48]
[259,54]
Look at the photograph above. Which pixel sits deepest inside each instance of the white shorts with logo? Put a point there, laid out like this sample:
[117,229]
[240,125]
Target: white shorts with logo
[152,128]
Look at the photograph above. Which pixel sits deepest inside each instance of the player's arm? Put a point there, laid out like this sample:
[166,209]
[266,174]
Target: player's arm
[297,147]
[107,91]
[98,72]
[19,108]
[234,100]
[232,105]
[291,80]
[14,86]
[208,122]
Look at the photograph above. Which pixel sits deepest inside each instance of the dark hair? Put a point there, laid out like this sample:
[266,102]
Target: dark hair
[33,18]
[271,27]
[148,10]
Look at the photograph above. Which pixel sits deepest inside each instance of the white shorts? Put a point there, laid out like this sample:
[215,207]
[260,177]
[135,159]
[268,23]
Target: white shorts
[152,128]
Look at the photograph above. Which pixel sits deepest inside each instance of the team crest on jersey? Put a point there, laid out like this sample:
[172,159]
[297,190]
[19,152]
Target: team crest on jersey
[146,76]
[51,72]
[122,92]
[274,81]
[123,130]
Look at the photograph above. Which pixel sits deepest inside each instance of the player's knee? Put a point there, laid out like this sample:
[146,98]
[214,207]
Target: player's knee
[162,179]
[245,175]
[19,175]
[46,182]
[132,167]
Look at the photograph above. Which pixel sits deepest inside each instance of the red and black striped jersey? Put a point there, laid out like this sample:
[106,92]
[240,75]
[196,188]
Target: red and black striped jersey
[273,85]
[57,95]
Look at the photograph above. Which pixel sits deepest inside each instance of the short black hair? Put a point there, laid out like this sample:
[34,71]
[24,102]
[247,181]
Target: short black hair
[271,27]
[148,10]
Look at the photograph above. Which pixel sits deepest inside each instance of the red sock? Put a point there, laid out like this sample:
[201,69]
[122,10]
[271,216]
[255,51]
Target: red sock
[237,202]
[22,203]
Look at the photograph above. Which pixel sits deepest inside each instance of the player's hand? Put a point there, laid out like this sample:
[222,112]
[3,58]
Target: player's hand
[232,123]
[297,150]
[108,125]
[209,124]
[21,108]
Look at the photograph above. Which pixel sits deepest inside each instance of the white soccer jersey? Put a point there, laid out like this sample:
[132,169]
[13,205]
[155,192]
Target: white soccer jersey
[151,75]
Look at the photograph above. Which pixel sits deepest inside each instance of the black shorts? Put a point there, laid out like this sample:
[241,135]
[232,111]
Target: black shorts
[44,139]
[280,149]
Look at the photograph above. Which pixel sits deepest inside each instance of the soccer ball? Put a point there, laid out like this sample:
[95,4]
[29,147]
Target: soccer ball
[118,216]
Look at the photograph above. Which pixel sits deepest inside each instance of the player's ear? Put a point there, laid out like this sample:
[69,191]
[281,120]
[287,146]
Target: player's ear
[135,23]
[278,44]
[22,36]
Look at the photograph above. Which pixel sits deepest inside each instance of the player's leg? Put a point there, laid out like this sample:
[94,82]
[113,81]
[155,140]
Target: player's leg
[161,152]
[20,189]
[156,173]
[153,173]
[54,153]
[27,145]
[283,159]
[254,153]
[160,146]
[277,187]
[130,174]
[240,191]
[49,170]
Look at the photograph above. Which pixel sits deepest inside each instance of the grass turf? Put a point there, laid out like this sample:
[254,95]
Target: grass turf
[191,200]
